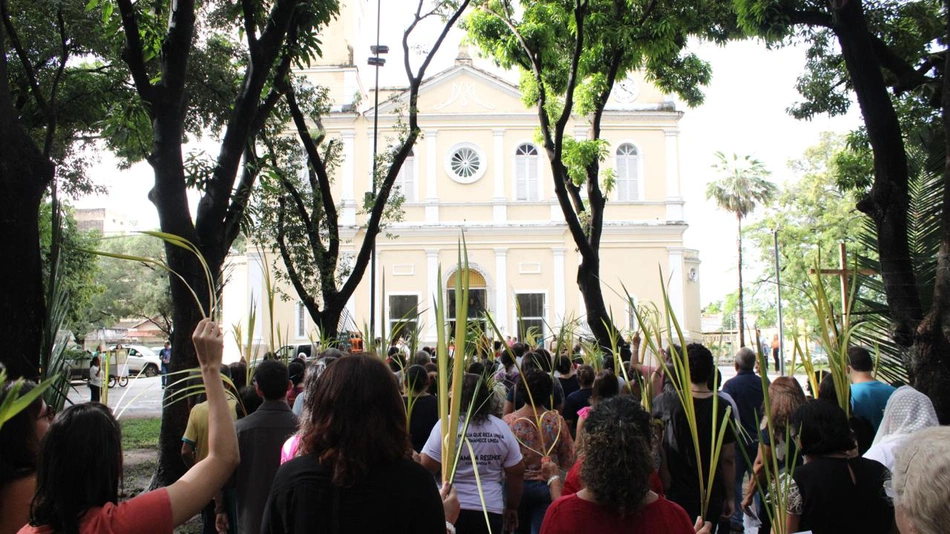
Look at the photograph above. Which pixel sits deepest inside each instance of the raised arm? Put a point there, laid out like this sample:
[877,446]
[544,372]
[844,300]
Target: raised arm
[198,486]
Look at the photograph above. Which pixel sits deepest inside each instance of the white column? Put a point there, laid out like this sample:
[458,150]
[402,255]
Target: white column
[255,286]
[674,199]
[432,195]
[501,289]
[499,198]
[348,216]
[560,306]
[676,274]
[432,277]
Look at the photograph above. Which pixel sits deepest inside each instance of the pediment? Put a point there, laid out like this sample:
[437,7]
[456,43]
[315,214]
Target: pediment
[462,90]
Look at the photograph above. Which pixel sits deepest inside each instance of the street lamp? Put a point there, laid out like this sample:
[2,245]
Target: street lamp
[376,62]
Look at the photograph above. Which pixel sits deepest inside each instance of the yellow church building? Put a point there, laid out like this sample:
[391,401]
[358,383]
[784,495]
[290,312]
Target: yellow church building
[477,169]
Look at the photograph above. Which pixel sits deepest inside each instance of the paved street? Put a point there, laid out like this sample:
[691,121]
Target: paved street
[141,398]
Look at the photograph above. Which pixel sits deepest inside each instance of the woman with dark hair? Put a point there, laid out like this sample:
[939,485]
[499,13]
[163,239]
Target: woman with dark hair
[354,450]
[861,429]
[833,492]
[580,398]
[20,439]
[534,361]
[617,470]
[565,375]
[80,468]
[425,407]
[296,371]
[541,432]
[498,454]
[95,379]
[785,397]
[605,387]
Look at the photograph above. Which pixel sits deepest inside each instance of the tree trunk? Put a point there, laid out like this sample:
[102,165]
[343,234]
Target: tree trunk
[598,320]
[929,367]
[888,201]
[741,321]
[24,175]
[170,200]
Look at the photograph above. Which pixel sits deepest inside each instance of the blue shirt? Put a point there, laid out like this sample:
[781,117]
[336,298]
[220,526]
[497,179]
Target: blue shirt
[746,389]
[868,400]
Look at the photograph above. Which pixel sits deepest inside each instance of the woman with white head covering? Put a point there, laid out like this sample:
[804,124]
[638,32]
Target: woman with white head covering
[907,411]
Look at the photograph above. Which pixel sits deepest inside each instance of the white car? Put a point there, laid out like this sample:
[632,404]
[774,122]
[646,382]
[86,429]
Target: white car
[142,360]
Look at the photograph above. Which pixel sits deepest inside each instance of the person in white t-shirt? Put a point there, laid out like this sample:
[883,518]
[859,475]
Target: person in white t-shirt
[497,452]
[95,379]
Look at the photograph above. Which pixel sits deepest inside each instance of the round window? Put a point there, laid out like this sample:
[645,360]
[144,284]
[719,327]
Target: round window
[466,163]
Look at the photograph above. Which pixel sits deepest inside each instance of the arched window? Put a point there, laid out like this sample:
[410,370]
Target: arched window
[406,179]
[628,173]
[526,173]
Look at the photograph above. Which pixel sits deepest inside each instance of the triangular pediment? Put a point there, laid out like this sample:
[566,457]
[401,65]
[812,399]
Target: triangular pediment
[461,90]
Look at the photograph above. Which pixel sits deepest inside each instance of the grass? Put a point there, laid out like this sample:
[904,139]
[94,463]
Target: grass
[140,433]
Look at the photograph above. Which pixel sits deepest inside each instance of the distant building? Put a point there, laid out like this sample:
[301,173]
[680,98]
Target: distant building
[105,220]
[477,168]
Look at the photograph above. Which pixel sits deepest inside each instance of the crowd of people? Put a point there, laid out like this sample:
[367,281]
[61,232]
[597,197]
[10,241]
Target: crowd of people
[353,443]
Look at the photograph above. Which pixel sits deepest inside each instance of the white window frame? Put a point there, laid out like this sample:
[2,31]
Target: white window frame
[390,321]
[545,308]
[639,170]
[632,322]
[516,158]
[482,158]
[300,321]
[412,173]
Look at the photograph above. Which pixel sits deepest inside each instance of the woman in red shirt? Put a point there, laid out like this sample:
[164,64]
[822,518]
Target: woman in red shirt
[80,465]
[616,469]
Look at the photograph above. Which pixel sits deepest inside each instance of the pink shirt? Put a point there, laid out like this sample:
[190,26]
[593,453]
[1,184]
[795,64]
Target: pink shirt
[149,513]
[289,449]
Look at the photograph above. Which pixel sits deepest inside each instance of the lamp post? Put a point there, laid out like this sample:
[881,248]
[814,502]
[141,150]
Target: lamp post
[778,300]
[376,62]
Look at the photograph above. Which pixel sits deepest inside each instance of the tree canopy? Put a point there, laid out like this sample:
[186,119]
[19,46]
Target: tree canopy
[570,55]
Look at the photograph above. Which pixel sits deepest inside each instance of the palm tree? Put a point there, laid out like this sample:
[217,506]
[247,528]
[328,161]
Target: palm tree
[741,187]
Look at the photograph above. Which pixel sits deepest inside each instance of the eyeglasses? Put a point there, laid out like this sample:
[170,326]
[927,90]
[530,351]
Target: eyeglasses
[49,415]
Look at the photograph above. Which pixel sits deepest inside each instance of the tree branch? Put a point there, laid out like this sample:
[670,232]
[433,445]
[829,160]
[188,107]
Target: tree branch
[240,199]
[292,274]
[250,24]
[318,167]
[24,58]
[557,166]
[133,53]
[812,18]
[213,207]
[51,118]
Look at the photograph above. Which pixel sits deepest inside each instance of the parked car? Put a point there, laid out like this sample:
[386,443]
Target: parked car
[141,360]
[79,359]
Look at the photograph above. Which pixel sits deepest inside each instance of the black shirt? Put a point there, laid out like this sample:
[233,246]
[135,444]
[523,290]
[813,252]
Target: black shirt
[260,437]
[569,385]
[398,497]
[681,456]
[830,501]
[425,414]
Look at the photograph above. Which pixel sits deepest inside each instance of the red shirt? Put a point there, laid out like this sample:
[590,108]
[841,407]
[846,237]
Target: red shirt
[572,514]
[149,513]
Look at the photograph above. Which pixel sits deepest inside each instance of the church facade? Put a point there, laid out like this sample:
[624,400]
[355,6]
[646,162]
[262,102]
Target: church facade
[478,169]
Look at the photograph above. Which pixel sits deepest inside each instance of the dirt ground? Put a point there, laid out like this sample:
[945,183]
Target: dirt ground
[138,467]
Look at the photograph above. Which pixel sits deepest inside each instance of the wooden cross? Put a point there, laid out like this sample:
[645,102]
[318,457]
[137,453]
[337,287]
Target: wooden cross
[843,273]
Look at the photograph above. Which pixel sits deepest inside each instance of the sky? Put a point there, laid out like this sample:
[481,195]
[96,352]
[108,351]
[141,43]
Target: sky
[744,113]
